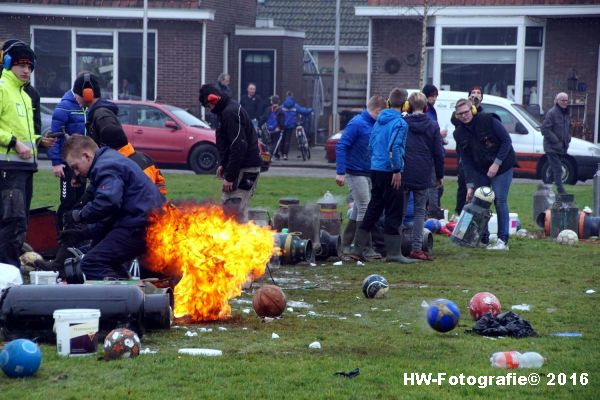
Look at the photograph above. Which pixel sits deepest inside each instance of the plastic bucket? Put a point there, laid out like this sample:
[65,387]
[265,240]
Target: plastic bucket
[76,331]
[514,223]
[43,277]
[493,224]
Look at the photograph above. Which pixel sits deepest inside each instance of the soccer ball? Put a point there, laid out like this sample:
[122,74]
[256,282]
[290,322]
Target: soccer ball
[443,315]
[121,343]
[484,303]
[375,286]
[522,233]
[433,225]
[567,237]
[485,193]
[20,358]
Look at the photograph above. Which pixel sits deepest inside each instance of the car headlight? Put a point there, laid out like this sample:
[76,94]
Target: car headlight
[595,150]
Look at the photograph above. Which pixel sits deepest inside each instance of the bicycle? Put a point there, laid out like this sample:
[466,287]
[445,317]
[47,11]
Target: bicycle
[303,146]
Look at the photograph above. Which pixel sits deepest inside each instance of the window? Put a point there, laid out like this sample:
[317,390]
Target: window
[130,65]
[151,117]
[508,120]
[52,75]
[479,36]
[124,114]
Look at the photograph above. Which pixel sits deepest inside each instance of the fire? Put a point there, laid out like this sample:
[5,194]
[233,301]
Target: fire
[214,255]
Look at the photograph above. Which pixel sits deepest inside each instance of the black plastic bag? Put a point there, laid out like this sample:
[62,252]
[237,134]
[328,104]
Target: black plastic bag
[505,324]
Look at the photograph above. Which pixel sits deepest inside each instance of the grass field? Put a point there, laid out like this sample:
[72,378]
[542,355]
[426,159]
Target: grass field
[385,338]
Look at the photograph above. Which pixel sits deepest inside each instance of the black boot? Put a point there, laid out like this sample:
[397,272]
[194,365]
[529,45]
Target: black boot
[348,237]
[369,251]
[55,265]
[361,240]
[393,250]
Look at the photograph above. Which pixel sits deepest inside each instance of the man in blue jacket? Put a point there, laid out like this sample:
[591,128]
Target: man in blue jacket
[387,144]
[68,117]
[353,166]
[117,216]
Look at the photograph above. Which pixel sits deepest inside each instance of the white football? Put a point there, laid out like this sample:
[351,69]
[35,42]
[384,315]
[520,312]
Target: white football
[522,233]
[485,193]
[567,237]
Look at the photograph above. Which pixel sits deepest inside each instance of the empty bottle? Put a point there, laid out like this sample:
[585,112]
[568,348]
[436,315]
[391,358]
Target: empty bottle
[514,359]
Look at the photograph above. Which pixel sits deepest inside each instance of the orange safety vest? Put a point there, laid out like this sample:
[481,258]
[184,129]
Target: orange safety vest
[147,165]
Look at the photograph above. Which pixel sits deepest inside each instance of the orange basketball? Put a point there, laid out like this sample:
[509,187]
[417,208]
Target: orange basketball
[269,301]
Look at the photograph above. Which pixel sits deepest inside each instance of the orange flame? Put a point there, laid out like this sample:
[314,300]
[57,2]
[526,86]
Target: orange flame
[213,253]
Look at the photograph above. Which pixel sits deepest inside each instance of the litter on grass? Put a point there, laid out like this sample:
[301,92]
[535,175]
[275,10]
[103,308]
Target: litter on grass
[201,352]
[274,336]
[191,334]
[338,263]
[567,334]
[314,345]
[590,291]
[521,307]
[148,351]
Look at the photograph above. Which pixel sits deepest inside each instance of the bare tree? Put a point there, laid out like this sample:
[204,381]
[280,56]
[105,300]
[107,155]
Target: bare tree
[423,42]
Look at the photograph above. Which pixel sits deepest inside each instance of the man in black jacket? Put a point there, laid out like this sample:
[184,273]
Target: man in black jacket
[237,142]
[556,129]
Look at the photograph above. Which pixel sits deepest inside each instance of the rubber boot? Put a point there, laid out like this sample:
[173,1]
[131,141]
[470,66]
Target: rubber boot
[361,240]
[348,237]
[393,246]
[369,251]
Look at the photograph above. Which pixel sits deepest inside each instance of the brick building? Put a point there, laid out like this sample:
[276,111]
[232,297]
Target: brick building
[190,42]
[527,50]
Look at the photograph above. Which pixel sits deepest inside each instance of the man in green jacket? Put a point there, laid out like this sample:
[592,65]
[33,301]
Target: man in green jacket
[18,153]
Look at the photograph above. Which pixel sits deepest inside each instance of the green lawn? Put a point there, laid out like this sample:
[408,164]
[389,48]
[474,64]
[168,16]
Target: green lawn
[389,339]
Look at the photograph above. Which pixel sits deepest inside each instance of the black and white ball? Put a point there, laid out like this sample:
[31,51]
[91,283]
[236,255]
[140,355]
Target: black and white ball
[567,237]
[375,286]
[485,193]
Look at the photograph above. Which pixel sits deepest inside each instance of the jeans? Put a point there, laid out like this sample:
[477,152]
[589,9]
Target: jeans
[419,201]
[384,198]
[236,202]
[360,190]
[500,184]
[16,189]
[555,166]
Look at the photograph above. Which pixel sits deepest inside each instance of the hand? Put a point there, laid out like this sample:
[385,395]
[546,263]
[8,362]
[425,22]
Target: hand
[444,133]
[470,192]
[71,218]
[59,170]
[340,179]
[72,237]
[47,142]
[396,180]
[23,151]
[439,183]
[219,172]
[227,186]
[493,170]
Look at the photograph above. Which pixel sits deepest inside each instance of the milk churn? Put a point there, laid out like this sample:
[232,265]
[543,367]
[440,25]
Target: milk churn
[563,215]
[543,198]
[281,218]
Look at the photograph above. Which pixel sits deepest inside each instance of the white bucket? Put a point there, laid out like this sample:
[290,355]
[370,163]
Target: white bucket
[76,331]
[493,225]
[513,224]
[43,277]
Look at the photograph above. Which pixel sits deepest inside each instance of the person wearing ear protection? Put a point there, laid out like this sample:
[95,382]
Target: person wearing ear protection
[239,158]
[18,149]
[487,159]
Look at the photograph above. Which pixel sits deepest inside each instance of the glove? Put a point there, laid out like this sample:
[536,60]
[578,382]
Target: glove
[71,218]
[72,237]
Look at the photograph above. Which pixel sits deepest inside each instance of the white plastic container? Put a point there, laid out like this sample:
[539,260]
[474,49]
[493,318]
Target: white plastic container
[513,224]
[76,331]
[43,277]
[493,225]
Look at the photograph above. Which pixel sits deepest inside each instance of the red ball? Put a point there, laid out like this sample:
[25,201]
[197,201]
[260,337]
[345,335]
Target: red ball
[484,303]
[269,301]
[121,343]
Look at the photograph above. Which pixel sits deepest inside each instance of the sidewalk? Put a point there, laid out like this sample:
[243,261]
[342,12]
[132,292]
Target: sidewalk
[317,160]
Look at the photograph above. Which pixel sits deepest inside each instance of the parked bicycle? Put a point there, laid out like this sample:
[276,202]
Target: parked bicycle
[303,145]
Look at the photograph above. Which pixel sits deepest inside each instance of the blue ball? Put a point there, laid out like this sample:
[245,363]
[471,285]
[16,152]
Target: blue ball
[433,225]
[443,315]
[20,358]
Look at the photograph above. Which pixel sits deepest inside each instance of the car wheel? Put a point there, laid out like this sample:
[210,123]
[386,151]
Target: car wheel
[204,159]
[568,172]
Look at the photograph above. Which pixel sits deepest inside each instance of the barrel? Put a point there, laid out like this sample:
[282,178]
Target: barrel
[281,217]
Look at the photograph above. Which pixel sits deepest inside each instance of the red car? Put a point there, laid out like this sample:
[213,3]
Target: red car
[172,136]
[330,146]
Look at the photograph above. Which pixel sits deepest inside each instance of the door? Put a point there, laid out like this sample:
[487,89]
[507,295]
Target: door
[258,66]
[164,145]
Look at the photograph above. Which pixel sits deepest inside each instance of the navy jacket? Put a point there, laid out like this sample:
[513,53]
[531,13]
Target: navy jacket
[352,151]
[67,115]
[123,194]
[424,152]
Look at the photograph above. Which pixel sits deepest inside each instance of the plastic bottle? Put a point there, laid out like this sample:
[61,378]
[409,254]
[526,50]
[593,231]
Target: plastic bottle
[514,359]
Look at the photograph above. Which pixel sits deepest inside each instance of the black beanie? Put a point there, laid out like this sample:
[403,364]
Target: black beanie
[94,83]
[429,90]
[20,53]
[205,90]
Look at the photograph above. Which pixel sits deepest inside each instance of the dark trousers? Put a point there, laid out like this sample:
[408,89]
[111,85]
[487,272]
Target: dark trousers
[287,137]
[16,189]
[555,166]
[69,195]
[461,190]
[384,198]
[106,258]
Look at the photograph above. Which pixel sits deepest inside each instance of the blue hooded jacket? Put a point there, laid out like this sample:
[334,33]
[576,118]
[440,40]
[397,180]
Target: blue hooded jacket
[388,141]
[352,150]
[67,115]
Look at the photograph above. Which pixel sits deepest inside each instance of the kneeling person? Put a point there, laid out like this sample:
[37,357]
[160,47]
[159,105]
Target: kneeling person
[117,217]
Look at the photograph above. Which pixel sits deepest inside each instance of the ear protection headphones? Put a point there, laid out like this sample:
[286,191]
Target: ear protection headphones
[88,88]
[473,110]
[213,98]
[406,108]
[7,58]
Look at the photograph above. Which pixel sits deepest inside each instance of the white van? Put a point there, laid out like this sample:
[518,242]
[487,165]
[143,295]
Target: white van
[525,131]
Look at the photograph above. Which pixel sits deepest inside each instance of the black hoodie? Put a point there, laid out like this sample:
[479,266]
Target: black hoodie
[424,152]
[104,126]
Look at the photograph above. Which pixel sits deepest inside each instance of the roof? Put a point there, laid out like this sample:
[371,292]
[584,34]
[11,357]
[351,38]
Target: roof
[317,19]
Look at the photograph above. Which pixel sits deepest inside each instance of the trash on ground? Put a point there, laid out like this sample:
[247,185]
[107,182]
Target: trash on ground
[514,359]
[358,315]
[314,345]
[590,291]
[338,263]
[190,333]
[298,304]
[289,309]
[246,311]
[567,334]
[351,374]
[522,307]
[505,324]
[274,336]
[203,329]
[222,328]
[147,350]
[201,352]
[360,263]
